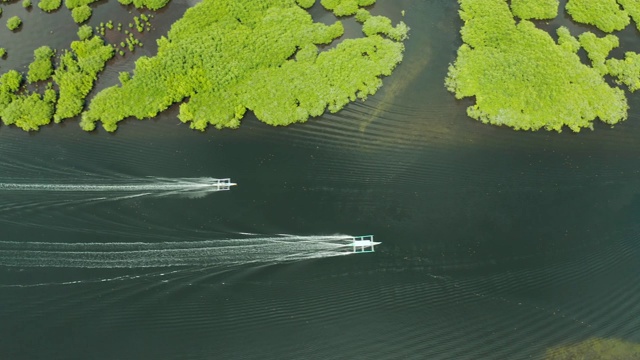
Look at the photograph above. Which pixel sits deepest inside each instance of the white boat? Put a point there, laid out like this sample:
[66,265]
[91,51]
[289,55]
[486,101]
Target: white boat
[222,184]
[362,244]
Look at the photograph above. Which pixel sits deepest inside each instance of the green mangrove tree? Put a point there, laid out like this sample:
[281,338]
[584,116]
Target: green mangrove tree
[42,66]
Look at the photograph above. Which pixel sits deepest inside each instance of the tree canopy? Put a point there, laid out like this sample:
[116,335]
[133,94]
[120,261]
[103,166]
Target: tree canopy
[13,23]
[598,49]
[76,74]
[626,71]
[606,15]
[149,4]
[42,66]
[49,5]
[522,79]
[81,13]
[345,7]
[535,9]
[226,56]
[221,59]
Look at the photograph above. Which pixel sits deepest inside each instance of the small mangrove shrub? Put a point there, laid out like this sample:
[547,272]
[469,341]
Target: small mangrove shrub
[13,23]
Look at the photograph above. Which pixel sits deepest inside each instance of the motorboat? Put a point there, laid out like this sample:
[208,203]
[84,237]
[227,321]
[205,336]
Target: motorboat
[222,184]
[362,244]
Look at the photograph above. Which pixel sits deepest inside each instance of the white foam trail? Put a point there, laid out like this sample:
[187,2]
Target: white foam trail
[225,252]
[152,184]
[126,188]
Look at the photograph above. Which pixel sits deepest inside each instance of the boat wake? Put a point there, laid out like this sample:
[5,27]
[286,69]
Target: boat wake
[193,187]
[226,252]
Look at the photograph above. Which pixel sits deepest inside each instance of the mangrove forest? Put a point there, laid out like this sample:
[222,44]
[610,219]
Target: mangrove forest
[523,77]
[220,60]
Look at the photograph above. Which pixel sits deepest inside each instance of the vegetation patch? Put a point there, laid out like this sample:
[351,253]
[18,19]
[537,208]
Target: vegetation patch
[81,13]
[29,112]
[632,7]
[42,66]
[226,56]
[598,49]
[535,9]
[345,7]
[626,71]
[374,25]
[49,5]
[596,348]
[223,58]
[85,32]
[149,4]
[13,23]
[606,15]
[76,74]
[522,79]
[567,41]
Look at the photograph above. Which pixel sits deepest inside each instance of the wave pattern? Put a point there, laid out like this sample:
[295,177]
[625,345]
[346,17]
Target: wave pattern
[394,310]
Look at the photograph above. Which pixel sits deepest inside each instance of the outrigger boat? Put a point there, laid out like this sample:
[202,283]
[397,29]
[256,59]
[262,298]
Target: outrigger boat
[223,184]
[362,244]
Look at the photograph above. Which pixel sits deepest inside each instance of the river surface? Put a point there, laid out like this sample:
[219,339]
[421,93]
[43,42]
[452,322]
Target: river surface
[496,244]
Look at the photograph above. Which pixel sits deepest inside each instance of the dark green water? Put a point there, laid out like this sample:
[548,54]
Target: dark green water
[496,244]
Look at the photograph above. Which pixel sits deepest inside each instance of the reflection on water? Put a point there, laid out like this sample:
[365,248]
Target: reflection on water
[394,87]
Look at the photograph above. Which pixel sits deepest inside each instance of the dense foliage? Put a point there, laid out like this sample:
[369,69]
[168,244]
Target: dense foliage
[567,41]
[626,71]
[81,13]
[85,32]
[72,4]
[149,4]
[28,112]
[305,4]
[9,84]
[75,76]
[228,56]
[598,49]
[606,15]
[13,23]
[42,66]
[522,79]
[49,5]
[632,7]
[80,9]
[76,73]
[374,25]
[535,9]
[345,7]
